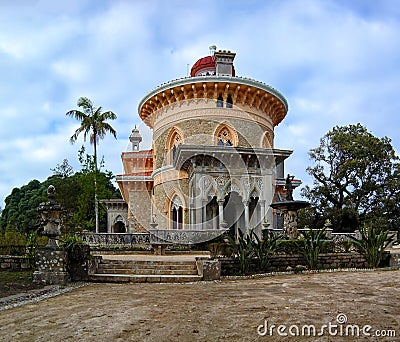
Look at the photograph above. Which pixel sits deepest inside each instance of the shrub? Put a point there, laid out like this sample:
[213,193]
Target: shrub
[289,246]
[344,246]
[14,242]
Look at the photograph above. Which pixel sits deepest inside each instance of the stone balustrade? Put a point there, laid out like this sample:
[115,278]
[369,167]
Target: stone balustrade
[115,239]
[154,237]
[187,237]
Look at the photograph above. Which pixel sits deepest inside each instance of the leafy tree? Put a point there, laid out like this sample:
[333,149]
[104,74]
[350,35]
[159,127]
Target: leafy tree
[20,211]
[64,170]
[83,216]
[356,178]
[74,191]
[93,123]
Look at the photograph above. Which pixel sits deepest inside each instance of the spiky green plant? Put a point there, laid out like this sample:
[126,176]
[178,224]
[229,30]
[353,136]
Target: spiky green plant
[243,249]
[215,249]
[312,244]
[264,248]
[372,244]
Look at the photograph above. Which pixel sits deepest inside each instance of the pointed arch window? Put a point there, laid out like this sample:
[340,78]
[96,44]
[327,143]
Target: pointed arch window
[173,142]
[225,137]
[176,213]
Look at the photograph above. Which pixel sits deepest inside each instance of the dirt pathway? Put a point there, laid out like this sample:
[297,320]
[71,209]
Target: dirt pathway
[215,311]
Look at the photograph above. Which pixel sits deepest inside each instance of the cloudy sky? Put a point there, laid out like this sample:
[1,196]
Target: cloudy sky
[336,61]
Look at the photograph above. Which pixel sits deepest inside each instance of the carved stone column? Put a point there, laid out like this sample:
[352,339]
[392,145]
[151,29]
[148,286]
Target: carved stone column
[221,212]
[204,214]
[246,216]
[214,217]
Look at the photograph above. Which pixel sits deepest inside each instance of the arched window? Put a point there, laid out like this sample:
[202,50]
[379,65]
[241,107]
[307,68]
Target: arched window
[224,137]
[229,102]
[174,140]
[176,213]
[267,141]
[220,101]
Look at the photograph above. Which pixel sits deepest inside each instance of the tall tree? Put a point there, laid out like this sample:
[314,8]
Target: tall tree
[354,176]
[93,124]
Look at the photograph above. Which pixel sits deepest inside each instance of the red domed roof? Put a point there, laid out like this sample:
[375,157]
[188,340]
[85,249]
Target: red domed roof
[203,63]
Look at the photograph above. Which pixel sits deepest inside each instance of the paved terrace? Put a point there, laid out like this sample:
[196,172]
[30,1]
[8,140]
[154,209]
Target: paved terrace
[212,311]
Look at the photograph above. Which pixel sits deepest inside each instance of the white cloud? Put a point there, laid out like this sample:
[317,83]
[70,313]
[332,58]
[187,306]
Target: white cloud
[335,61]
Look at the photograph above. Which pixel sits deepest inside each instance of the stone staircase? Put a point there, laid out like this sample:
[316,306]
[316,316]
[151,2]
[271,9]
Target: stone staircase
[145,271]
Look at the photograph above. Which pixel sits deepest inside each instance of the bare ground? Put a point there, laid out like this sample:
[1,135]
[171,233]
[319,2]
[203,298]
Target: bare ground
[213,311]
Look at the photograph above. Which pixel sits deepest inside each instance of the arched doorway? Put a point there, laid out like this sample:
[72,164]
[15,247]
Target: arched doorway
[212,213]
[119,227]
[234,213]
[255,215]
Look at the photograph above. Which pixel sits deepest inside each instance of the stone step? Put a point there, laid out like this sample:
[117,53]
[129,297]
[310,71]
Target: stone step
[148,267]
[132,278]
[141,271]
[146,271]
[136,264]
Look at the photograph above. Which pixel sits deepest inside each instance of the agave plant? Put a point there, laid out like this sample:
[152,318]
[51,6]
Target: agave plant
[264,248]
[243,249]
[372,244]
[312,245]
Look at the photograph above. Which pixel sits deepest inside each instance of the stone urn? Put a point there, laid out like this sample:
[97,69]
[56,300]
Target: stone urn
[51,217]
[51,260]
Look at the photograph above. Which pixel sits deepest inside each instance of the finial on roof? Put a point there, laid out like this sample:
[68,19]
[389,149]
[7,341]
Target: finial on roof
[212,48]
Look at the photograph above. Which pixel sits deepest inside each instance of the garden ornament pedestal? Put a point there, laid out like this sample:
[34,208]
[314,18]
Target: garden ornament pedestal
[51,260]
[50,217]
[288,209]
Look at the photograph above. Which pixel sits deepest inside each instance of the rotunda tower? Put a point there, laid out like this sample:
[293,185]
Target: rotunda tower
[214,161]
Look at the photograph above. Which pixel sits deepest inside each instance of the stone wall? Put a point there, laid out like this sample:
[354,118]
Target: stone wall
[282,262]
[200,132]
[15,263]
[163,193]
[140,208]
[51,266]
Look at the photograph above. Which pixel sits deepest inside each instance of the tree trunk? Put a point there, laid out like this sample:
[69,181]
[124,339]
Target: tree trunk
[96,204]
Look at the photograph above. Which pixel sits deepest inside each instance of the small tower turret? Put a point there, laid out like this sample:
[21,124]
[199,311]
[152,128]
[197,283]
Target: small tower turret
[135,138]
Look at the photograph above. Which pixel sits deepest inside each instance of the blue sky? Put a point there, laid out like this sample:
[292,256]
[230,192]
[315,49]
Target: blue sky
[336,62]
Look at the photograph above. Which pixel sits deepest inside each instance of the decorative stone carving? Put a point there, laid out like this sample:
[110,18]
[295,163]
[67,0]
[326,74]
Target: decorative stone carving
[50,217]
[51,261]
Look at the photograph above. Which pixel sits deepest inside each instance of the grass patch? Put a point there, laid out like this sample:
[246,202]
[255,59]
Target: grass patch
[23,278]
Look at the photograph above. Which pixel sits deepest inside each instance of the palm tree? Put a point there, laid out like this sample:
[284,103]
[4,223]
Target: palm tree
[93,123]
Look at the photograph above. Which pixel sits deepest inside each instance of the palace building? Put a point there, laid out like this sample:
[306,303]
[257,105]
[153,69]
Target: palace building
[213,164]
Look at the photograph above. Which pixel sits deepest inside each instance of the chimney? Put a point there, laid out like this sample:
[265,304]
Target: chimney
[224,63]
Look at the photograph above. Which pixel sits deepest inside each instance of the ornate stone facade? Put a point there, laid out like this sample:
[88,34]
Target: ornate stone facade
[117,215]
[213,164]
